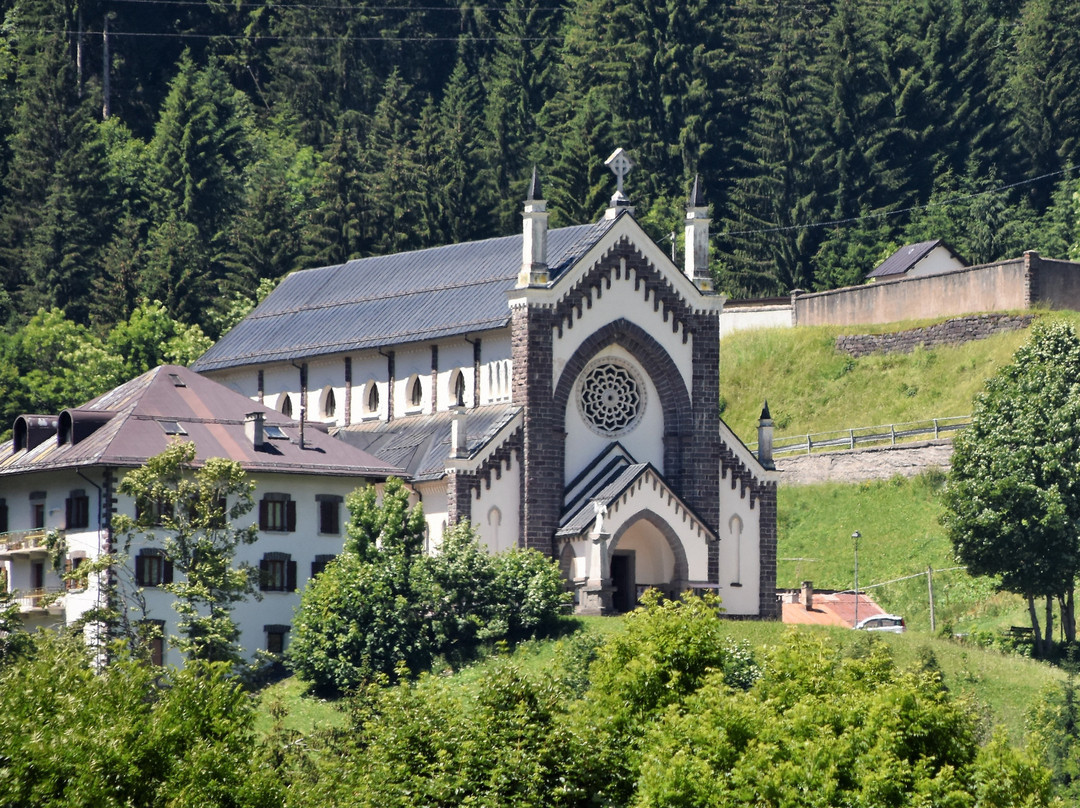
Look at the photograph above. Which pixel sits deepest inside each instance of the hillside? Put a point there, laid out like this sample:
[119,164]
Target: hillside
[811,387]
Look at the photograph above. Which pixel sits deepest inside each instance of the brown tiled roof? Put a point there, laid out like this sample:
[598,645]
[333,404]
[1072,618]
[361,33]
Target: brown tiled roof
[139,415]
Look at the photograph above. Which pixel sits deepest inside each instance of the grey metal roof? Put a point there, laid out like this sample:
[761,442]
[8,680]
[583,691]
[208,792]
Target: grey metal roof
[907,257]
[420,444]
[391,299]
[137,420]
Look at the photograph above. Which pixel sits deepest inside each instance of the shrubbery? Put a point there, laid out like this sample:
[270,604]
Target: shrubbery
[672,712]
[384,606]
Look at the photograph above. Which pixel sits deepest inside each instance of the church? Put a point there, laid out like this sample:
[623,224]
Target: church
[559,389]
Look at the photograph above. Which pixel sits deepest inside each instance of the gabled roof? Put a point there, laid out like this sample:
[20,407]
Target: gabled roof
[138,419]
[604,480]
[420,444]
[391,299]
[907,257]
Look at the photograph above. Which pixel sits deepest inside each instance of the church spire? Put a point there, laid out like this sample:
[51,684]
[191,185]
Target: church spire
[534,268]
[696,266]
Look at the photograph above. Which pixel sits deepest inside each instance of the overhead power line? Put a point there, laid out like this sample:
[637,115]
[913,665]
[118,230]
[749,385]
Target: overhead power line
[885,214]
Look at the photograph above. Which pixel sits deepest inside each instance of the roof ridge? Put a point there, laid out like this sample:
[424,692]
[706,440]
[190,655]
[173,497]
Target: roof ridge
[387,296]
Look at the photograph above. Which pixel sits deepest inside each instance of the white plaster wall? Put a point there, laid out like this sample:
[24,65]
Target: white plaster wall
[740,582]
[751,317]
[409,364]
[937,261]
[303,545]
[621,301]
[654,563]
[645,442]
[370,367]
[495,512]
[15,490]
[432,495]
[324,375]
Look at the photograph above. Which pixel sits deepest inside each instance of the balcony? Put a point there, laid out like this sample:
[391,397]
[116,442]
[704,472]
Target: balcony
[41,601]
[24,543]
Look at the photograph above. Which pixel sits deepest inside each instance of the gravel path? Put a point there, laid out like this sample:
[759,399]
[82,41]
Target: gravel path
[878,463]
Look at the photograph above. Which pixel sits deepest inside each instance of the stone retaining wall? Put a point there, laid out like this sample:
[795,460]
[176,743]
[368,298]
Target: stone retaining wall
[950,332]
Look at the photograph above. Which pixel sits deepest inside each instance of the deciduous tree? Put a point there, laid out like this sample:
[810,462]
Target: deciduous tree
[195,513]
[1012,502]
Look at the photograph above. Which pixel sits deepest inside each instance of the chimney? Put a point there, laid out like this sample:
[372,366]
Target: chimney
[253,428]
[458,437]
[764,439]
[620,165]
[697,239]
[808,595]
[534,268]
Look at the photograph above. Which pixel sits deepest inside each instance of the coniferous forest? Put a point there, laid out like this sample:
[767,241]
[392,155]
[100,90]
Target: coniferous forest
[190,153]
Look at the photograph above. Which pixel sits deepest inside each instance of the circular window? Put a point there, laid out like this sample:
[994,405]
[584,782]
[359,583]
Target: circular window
[611,397]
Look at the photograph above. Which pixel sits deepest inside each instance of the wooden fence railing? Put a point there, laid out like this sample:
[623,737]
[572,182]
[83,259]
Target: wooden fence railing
[863,436]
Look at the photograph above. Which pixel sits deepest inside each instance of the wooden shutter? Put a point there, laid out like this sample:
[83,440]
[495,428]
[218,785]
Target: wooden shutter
[290,515]
[264,573]
[290,576]
[3,516]
[67,512]
[263,512]
[166,571]
[68,583]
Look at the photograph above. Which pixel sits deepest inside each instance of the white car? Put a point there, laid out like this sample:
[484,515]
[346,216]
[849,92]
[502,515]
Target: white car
[883,622]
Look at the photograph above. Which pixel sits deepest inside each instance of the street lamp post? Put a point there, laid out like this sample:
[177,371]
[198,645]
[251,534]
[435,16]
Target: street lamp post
[855,538]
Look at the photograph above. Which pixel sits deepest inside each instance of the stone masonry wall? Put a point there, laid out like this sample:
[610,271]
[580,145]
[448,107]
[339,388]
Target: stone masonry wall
[950,332]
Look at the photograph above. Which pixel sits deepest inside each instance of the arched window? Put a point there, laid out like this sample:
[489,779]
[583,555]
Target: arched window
[286,405]
[459,389]
[372,398]
[329,403]
[416,392]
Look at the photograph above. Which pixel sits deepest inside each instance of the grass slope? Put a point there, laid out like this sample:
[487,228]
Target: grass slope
[811,387]
[901,537]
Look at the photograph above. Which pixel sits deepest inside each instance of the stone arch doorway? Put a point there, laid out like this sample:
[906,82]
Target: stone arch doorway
[645,552]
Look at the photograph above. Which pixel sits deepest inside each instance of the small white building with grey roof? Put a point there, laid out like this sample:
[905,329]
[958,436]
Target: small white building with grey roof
[559,389]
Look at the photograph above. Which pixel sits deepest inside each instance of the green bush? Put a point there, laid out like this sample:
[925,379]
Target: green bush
[384,608]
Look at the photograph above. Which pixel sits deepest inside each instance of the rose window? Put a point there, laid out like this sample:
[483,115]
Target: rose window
[612,398]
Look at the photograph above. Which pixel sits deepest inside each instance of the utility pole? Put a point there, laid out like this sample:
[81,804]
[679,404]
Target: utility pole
[855,538]
[930,586]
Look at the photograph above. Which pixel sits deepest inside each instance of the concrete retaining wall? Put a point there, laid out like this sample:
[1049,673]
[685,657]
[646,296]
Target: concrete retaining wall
[990,287]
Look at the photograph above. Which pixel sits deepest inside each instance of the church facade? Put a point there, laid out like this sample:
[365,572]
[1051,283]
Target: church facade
[559,389]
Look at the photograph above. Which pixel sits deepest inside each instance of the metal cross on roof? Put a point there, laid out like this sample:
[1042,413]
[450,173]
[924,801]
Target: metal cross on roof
[620,164]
